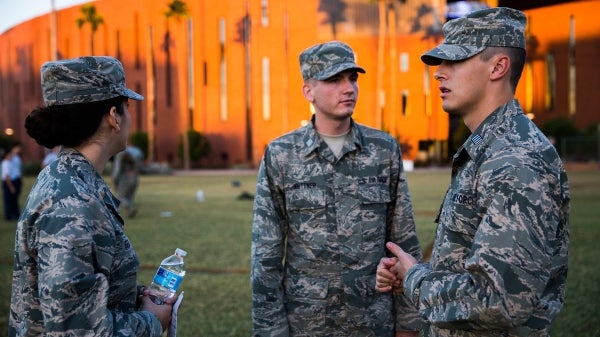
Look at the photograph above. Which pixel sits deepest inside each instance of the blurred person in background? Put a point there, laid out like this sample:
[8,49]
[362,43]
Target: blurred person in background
[12,182]
[75,269]
[126,169]
[16,175]
[50,156]
[9,189]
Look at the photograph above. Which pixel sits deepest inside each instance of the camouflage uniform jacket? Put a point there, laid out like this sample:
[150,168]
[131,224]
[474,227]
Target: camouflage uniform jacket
[499,264]
[74,268]
[319,231]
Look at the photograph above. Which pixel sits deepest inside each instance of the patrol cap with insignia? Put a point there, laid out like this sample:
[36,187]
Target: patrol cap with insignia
[469,35]
[83,80]
[324,60]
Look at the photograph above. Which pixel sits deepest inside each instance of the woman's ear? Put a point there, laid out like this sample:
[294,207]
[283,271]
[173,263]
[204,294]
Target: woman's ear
[113,119]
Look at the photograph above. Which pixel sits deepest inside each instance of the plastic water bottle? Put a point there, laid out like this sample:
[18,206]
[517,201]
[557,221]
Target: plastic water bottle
[168,277]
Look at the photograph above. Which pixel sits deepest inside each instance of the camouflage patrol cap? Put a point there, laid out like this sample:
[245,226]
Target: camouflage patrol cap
[324,60]
[471,34]
[83,80]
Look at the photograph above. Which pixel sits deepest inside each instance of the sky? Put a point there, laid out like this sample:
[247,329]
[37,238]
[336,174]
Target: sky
[14,12]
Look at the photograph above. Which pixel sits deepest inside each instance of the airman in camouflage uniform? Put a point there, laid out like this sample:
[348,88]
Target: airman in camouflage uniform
[499,263]
[322,217]
[74,268]
[127,165]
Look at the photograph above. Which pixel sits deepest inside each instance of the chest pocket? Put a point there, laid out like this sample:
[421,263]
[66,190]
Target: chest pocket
[374,202]
[306,211]
[374,194]
[460,213]
[456,230]
[305,200]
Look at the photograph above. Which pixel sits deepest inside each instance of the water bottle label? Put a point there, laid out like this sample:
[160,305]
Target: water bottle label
[167,278]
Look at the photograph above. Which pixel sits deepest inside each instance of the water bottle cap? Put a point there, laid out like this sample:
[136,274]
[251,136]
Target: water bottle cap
[180,252]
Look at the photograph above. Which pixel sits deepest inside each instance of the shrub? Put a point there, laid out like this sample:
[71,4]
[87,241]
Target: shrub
[139,139]
[559,128]
[199,145]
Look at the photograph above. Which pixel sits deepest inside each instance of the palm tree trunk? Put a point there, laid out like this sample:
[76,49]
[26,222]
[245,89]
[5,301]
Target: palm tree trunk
[189,122]
[92,43]
[53,30]
[150,96]
[393,62]
[248,86]
[380,66]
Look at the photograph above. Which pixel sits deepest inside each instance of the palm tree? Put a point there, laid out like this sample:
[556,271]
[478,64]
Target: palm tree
[243,28]
[382,6]
[53,47]
[335,11]
[90,16]
[387,34]
[177,9]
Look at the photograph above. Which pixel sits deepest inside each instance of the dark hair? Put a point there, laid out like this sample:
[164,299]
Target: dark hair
[517,61]
[70,124]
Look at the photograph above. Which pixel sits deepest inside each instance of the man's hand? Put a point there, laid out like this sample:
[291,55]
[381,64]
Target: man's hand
[385,280]
[405,260]
[391,271]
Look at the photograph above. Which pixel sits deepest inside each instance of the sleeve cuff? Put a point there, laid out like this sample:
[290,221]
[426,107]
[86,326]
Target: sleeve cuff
[412,282]
[154,326]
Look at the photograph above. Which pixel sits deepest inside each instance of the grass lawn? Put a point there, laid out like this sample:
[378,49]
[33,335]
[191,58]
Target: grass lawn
[216,235]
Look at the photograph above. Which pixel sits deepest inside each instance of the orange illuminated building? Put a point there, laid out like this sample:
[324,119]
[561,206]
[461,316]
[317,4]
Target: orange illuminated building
[242,87]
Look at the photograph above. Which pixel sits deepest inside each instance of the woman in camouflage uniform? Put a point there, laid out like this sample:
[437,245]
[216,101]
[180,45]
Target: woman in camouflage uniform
[75,269]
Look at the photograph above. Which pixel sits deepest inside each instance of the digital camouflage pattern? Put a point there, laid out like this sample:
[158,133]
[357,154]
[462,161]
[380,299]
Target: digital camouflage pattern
[324,60]
[74,268]
[319,231]
[499,265]
[469,35]
[84,79]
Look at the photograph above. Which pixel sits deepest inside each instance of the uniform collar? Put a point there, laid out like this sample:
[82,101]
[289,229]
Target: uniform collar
[86,171]
[494,125]
[312,142]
